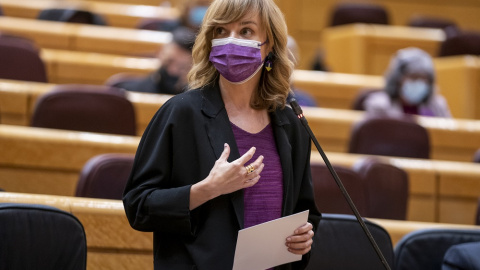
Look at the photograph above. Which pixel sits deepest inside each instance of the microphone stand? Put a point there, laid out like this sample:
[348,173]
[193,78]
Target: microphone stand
[298,111]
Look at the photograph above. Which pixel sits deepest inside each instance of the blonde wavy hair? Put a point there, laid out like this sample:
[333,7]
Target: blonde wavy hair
[274,85]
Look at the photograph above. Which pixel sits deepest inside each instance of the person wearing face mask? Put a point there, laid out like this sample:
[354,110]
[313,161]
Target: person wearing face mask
[409,88]
[191,16]
[171,77]
[227,154]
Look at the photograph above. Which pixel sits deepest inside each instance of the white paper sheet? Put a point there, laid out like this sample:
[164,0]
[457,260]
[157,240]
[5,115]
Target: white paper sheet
[263,246]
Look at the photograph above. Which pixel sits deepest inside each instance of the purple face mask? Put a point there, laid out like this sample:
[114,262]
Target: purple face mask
[237,60]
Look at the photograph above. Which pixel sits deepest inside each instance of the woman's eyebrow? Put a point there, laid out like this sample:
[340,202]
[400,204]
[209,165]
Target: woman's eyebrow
[248,22]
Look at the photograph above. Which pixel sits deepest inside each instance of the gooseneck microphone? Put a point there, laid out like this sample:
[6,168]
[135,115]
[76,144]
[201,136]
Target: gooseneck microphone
[298,111]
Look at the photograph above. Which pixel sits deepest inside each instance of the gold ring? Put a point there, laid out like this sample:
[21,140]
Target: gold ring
[249,169]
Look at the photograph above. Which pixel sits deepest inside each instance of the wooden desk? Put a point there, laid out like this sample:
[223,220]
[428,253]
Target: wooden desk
[92,68]
[46,161]
[368,48]
[119,15]
[332,128]
[81,37]
[111,242]
[308,19]
[134,2]
[41,161]
[398,229]
[334,90]
[17,102]
[439,191]
[458,78]
[451,139]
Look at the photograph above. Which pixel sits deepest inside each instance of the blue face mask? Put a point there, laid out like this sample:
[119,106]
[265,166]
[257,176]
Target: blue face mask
[414,91]
[196,15]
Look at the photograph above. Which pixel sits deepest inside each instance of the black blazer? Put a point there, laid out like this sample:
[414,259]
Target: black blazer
[178,149]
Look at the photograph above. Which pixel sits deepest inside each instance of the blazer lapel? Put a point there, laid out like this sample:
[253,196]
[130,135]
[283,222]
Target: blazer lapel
[284,148]
[220,132]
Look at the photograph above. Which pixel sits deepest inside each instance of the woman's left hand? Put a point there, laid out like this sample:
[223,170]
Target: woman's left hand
[300,242]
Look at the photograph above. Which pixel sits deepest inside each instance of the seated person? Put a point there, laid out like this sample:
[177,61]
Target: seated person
[176,60]
[191,16]
[303,99]
[462,257]
[409,88]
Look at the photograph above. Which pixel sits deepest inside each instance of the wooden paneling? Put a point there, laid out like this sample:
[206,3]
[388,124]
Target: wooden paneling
[82,37]
[48,161]
[115,14]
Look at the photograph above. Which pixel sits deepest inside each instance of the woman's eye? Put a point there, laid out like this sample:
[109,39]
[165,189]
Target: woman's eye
[219,31]
[246,32]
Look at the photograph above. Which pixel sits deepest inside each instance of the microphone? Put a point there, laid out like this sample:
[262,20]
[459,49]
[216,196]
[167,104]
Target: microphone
[298,111]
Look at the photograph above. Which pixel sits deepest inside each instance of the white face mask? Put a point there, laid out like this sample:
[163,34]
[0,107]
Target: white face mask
[414,91]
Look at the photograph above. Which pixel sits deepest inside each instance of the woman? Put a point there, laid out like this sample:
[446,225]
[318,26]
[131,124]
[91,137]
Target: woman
[228,154]
[409,88]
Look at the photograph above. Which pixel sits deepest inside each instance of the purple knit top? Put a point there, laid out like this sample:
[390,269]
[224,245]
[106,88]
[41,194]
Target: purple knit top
[263,201]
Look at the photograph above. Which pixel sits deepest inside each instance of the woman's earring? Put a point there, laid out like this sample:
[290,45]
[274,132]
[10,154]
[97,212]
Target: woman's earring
[269,61]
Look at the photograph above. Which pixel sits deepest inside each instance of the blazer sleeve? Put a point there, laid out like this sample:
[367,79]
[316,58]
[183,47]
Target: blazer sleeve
[150,200]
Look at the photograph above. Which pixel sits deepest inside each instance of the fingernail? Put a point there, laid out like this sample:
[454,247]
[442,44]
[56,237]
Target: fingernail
[225,145]
[296,232]
[289,239]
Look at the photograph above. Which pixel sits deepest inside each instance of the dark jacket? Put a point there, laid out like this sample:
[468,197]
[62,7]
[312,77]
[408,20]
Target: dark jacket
[178,149]
[462,257]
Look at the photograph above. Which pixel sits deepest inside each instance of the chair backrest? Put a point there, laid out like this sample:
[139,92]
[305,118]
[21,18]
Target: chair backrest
[387,189]
[40,237]
[430,22]
[477,219]
[91,108]
[358,102]
[20,60]
[346,13]
[105,176]
[158,24]
[390,137]
[117,80]
[71,15]
[476,156]
[329,198]
[425,249]
[340,243]
[460,44]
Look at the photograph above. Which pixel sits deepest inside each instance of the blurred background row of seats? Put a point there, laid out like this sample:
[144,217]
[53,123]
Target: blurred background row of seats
[339,244]
[379,190]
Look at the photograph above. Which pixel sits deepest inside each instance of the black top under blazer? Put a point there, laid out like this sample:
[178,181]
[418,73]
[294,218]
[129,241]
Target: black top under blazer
[178,149]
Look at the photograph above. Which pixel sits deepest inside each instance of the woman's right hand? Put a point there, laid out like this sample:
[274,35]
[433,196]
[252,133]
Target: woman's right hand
[226,177]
